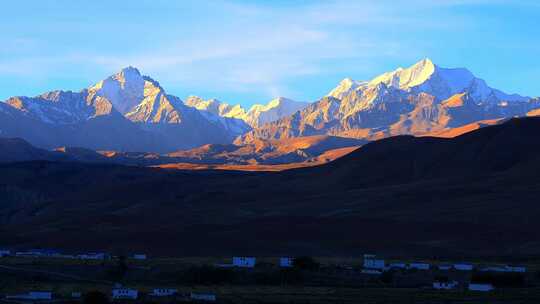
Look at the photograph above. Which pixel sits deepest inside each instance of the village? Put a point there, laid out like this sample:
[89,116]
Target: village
[140,278]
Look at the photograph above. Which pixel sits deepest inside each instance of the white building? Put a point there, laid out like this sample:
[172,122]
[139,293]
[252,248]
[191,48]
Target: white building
[445,285]
[286,262]
[419,266]
[125,293]
[494,269]
[371,271]
[206,297]
[504,268]
[398,265]
[139,256]
[36,253]
[76,294]
[92,256]
[463,266]
[163,292]
[245,262]
[32,295]
[516,268]
[372,262]
[481,287]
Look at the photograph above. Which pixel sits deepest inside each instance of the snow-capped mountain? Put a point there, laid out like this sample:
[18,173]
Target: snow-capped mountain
[230,117]
[216,106]
[256,116]
[426,77]
[131,112]
[415,100]
[277,108]
[126,111]
[345,87]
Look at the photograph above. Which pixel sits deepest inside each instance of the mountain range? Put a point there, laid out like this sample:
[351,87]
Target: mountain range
[423,98]
[128,112]
[256,116]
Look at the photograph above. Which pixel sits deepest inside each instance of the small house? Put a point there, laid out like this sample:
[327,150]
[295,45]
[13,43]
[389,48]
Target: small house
[463,266]
[485,287]
[372,271]
[139,256]
[445,285]
[520,269]
[92,256]
[39,253]
[419,266]
[76,294]
[398,265]
[163,292]
[244,262]
[125,293]
[372,262]
[494,269]
[285,262]
[203,297]
[32,295]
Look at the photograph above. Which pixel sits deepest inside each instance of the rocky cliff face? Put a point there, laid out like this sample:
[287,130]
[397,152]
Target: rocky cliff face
[126,111]
[420,99]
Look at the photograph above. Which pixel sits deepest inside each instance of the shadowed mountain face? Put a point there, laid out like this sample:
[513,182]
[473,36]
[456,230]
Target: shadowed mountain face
[126,111]
[421,99]
[17,150]
[131,112]
[475,194]
[293,153]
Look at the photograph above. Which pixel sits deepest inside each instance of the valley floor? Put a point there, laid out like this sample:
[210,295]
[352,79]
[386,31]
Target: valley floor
[264,284]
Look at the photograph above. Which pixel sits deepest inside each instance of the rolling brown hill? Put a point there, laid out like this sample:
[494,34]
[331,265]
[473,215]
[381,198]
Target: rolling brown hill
[472,195]
[16,150]
[260,154]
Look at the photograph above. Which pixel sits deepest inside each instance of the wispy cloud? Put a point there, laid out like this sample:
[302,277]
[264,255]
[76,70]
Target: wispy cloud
[245,47]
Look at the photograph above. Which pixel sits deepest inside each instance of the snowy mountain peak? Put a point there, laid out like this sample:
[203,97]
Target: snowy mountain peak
[275,109]
[427,77]
[276,102]
[257,114]
[405,79]
[216,107]
[127,74]
[345,87]
[124,89]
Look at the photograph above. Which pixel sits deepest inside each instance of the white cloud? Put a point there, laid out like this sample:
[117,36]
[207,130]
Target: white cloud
[253,48]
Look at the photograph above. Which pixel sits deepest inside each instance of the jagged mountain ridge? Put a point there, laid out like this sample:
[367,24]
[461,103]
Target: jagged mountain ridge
[420,99]
[129,112]
[256,116]
[126,111]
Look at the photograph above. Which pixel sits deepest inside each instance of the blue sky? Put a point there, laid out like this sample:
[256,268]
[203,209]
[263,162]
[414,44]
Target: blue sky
[250,51]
